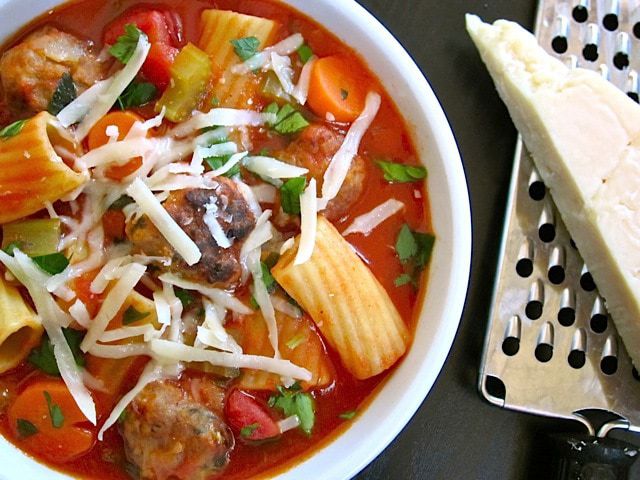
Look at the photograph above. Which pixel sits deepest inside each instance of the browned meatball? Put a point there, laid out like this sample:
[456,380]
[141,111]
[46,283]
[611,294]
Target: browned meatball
[219,266]
[31,71]
[314,149]
[170,432]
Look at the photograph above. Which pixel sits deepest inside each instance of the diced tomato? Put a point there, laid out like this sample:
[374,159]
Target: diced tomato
[157,67]
[82,287]
[248,416]
[113,222]
[152,22]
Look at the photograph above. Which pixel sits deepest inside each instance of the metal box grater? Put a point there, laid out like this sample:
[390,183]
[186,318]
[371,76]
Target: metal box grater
[551,348]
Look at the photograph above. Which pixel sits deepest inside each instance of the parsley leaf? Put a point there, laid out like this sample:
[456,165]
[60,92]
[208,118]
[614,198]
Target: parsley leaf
[131,315]
[137,94]
[185,297]
[218,162]
[292,124]
[253,303]
[53,263]
[26,428]
[12,129]
[344,93]
[290,193]
[246,47]
[11,247]
[402,280]
[305,53]
[348,415]
[425,242]
[267,278]
[400,173]
[55,412]
[292,401]
[42,357]
[65,94]
[406,245]
[126,44]
[120,203]
[247,431]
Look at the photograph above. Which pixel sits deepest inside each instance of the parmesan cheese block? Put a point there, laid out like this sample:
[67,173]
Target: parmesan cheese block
[584,136]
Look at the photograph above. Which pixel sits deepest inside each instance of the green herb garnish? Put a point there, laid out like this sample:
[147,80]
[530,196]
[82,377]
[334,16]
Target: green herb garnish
[293,401]
[42,357]
[246,47]
[414,251]
[9,249]
[247,431]
[65,94]
[126,44]
[120,203]
[53,263]
[131,315]
[305,53]
[218,162]
[26,428]
[12,129]
[185,297]
[137,94]
[348,415]
[288,120]
[55,412]
[290,193]
[267,278]
[402,280]
[296,341]
[401,173]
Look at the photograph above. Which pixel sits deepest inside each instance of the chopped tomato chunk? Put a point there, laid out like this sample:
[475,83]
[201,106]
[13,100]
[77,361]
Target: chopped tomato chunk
[247,415]
[157,67]
[152,22]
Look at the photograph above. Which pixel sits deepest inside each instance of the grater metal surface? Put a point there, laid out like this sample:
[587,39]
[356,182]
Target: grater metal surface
[551,348]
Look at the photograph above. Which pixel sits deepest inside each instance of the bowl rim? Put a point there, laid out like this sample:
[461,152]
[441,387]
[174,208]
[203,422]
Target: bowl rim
[459,268]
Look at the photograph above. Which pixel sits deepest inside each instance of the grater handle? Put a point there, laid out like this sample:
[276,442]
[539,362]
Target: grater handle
[581,457]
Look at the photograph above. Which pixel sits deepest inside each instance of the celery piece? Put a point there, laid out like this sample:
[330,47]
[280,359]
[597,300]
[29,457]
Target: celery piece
[190,74]
[33,237]
[272,88]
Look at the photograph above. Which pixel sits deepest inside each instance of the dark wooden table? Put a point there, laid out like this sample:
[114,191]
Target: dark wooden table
[456,434]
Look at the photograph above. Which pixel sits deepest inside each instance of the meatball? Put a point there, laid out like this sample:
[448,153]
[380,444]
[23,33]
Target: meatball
[174,430]
[218,266]
[314,149]
[31,71]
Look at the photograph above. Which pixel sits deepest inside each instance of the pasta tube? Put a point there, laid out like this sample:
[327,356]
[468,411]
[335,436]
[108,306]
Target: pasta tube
[31,172]
[347,303]
[20,327]
[298,342]
[219,29]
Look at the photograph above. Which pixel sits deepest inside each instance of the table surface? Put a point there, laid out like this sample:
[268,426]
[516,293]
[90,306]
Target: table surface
[456,434]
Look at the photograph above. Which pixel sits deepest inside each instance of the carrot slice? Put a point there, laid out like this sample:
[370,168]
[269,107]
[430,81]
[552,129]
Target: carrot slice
[124,120]
[337,89]
[47,421]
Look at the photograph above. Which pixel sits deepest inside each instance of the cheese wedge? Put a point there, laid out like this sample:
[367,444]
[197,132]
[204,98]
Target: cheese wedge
[584,136]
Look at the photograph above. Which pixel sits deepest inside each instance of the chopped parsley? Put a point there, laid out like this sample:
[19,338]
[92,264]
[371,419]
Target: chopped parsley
[42,357]
[296,341]
[53,263]
[246,47]
[185,297]
[288,119]
[253,303]
[26,428]
[65,94]
[348,415]
[218,162]
[414,251]
[137,94]
[131,315]
[344,93]
[305,53]
[55,412]
[247,431]
[401,173]
[120,203]
[267,278]
[290,193]
[126,44]
[11,247]
[293,401]
[12,129]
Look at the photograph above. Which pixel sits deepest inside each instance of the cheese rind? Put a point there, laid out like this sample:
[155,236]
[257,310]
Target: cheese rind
[584,137]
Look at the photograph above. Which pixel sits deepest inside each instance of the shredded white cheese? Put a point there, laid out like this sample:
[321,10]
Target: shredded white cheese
[232,162]
[301,91]
[167,226]
[222,117]
[211,221]
[308,223]
[80,314]
[272,168]
[262,59]
[77,109]
[281,66]
[366,223]
[264,193]
[339,166]
[283,306]
[289,423]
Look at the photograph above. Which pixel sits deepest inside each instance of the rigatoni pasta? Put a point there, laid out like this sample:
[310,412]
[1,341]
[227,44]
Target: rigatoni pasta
[219,29]
[31,172]
[20,327]
[347,303]
[299,342]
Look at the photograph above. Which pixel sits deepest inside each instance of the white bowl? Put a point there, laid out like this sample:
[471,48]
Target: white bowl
[403,393]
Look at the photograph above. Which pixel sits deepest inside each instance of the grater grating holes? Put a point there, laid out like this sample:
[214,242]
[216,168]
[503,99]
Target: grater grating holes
[586,280]
[599,319]
[537,189]
[580,12]
[567,311]
[577,357]
[609,361]
[534,306]
[591,42]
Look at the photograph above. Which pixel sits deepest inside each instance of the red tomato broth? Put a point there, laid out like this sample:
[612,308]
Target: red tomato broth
[387,138]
